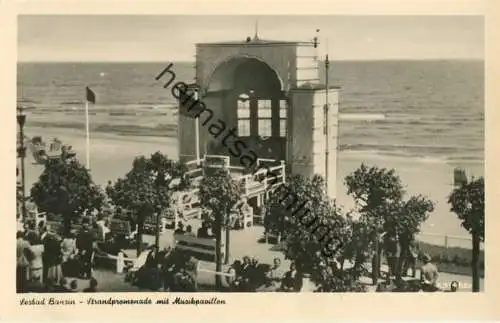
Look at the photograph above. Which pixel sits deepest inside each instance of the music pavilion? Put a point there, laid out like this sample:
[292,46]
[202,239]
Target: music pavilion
[266,107]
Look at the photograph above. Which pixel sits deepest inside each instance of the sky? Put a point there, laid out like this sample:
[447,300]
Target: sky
[171,38]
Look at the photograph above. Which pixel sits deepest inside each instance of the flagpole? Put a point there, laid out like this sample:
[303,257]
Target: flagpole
[327,117]
[87,132]
[197,131]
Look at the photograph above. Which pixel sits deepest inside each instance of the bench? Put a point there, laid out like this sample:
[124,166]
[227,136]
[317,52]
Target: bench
[201,248]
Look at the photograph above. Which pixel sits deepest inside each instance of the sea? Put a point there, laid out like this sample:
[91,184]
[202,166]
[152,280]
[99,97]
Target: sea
[432,109]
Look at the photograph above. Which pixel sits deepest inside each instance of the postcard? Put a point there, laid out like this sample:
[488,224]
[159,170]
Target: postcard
[189,160]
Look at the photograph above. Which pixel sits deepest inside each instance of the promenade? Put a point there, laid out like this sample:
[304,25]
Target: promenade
[109,281]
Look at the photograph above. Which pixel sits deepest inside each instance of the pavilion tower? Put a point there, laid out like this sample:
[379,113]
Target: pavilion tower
[269,92]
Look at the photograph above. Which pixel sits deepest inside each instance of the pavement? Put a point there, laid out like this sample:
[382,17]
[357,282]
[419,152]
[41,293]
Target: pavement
[242,243]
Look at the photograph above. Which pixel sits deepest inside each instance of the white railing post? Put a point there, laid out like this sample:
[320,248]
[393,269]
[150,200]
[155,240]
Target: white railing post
[283,171]
[120,263]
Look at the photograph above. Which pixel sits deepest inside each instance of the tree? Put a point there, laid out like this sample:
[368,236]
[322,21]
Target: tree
[66,188]
[467,202]
[413,212]
[377,193]
[147,188]
[315,231]
[284,202]
[219,193]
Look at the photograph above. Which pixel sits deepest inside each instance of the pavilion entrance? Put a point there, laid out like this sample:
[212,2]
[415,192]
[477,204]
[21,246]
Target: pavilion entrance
[255,105]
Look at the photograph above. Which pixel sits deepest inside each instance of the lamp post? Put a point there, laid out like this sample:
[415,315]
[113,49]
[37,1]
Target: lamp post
[21,153]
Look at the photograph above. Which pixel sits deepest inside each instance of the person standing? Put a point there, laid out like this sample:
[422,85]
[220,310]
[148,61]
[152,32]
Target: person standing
[68,248]
[44,238]
[85,246]
[411,258]
[36,263]
[23,255]
[52,257]
[393,251]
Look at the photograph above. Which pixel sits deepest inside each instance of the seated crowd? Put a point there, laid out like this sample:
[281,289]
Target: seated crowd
[250,276]
[168,270]
[203,232]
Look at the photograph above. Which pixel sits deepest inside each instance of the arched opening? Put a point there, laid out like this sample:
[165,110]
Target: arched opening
[253,102]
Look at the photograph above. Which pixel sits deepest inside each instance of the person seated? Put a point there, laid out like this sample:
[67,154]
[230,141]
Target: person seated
[34,285]
[156,278]
[292,281]
[150,276]
[73,286]
[189,231]
[92,286]
[183,282]
[191,268]
[238,223]
[258,273]
[180,228]
[247,274]
[168,268]
[51,285]
[235,279]
[203,230]
[454,286]
[62,287]
[275,275]
[428,275]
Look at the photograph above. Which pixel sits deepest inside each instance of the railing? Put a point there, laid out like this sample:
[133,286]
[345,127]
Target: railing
[447,241]
[254,183]
[211,161]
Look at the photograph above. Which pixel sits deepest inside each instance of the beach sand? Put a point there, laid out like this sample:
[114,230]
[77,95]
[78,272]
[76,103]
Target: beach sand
[112,156]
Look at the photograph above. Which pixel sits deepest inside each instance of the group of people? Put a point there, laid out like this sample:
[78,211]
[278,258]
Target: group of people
[44,258]
[249,275]
[168,270]
[205,231]
[402,255]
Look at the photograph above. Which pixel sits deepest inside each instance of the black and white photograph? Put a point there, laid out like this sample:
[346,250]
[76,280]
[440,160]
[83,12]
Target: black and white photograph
[247,153]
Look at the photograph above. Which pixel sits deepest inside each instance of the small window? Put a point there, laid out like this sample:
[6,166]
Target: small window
[265,104]
[243,115]
[283,109]
[283,128]
[265,127]
[244,127]
[264,110]
[265,113]
[243,112]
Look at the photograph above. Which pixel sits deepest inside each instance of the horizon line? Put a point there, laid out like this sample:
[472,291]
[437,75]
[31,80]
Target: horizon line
[192,61]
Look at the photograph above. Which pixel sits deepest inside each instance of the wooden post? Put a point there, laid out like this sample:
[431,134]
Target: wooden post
[446,241]
[218,256]
[476,243]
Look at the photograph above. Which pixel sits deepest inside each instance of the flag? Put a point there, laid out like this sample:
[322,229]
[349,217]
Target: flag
[89,95]
[189,104]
